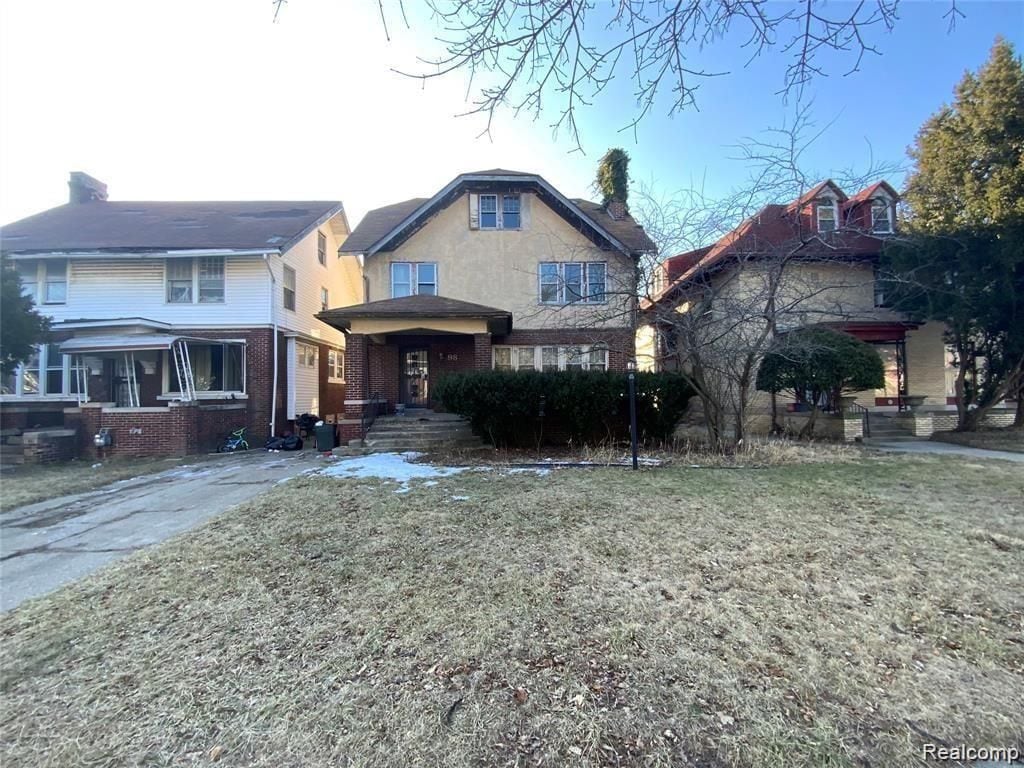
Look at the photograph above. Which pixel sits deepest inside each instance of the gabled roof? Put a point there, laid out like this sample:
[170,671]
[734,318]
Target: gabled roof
[778,226]
[873,191]
[166,226]
[386,228]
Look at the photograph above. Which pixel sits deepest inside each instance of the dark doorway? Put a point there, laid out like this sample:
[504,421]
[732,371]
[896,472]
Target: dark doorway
[413,375]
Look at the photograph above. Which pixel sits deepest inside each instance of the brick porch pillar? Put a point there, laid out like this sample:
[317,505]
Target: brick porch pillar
[482,351]
[356,387]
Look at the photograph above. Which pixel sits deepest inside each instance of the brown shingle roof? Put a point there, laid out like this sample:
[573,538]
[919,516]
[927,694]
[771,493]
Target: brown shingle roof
[625,230]
[374,230]
[378,223]
[411,307]
[158,226]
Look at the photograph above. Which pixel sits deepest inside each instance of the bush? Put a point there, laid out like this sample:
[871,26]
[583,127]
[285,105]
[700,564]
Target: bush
[529,408]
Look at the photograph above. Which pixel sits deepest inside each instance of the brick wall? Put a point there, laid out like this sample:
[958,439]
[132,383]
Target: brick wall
[48,446]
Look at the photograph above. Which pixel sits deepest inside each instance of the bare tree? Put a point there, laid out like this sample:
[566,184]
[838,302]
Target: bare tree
[530,55]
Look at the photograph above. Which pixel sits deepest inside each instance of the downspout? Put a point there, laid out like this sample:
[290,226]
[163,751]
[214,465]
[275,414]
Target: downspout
[273,319]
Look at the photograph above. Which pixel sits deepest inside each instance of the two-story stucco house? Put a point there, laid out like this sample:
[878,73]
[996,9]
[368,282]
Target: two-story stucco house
[831,244]
[176,322]
[499,270]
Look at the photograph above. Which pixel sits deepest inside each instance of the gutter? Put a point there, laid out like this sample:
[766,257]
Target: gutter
[273,320]
[16,255]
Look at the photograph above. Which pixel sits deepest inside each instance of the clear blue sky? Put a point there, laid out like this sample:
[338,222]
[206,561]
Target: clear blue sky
[187,99]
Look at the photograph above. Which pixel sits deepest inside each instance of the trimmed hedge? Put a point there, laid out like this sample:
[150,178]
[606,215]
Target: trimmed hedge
[580,407]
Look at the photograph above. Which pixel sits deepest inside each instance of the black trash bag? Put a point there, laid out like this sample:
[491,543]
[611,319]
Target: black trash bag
[292,443]
[307,421]
[274,444]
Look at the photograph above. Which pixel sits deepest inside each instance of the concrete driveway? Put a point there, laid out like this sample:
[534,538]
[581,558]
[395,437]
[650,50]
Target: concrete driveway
[50,543]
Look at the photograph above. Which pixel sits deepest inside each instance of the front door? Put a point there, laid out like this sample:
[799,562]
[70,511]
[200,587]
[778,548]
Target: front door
[414,375]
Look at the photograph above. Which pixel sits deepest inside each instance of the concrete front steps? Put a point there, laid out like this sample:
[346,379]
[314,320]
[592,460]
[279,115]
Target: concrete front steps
[885,430]
[421,431]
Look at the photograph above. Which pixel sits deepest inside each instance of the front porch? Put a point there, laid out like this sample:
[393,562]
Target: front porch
[395,349]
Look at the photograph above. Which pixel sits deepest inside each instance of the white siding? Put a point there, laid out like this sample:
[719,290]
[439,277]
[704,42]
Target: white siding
[101,289]
[303,383]
[341,277]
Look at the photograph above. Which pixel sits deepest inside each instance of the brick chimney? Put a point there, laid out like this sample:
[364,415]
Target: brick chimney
[85,189]
[617,209]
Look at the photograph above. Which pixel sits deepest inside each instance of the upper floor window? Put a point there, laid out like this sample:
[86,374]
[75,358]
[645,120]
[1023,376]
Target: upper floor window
[189,279]
[881,217]
[573,282]
[826,216]
[45,281]
[288,284]
[321,248]
[324,299]
[506,216]
[409,278]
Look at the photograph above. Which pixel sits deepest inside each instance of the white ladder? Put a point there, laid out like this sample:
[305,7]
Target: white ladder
[81,379]
[183,367]
[133,381]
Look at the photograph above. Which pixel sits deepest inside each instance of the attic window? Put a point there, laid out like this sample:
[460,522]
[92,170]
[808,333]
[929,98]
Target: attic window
[881,217]
[826,216]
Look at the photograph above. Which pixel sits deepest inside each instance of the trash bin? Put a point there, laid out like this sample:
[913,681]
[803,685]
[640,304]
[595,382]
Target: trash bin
[324,437]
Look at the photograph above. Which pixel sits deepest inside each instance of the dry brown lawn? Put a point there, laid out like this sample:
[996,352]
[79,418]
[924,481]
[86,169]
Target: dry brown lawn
[835,614]
[27,484]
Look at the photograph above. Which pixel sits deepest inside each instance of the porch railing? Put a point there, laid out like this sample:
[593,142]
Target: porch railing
[371,410]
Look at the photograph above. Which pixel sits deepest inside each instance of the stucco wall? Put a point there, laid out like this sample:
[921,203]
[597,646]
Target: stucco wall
[499,268]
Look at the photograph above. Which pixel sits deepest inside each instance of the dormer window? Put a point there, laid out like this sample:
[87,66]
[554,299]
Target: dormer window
[881,217]
[826,216]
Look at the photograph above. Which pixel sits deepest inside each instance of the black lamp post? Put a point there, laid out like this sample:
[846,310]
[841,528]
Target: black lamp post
[631,366]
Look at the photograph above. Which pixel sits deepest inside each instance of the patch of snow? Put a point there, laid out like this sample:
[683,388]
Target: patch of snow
[531,470]
[459,498]
[398,467]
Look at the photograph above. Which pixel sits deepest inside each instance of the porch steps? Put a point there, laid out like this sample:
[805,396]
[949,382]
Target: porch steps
[421,432]
[885,430]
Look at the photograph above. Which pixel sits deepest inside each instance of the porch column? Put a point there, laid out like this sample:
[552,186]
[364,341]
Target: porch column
[356,390]
[482,351]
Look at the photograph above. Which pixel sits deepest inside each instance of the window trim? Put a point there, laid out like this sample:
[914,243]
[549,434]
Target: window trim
[826,205]
[563,351]
[195,268]
[42,283]
[166,393]
[879,202]
[66,367]
[414,281]
[321,248]
[499,210]
[585,298]
[285,289]
[339,357]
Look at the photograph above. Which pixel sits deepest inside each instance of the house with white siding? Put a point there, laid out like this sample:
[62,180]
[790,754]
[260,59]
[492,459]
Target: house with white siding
[173,323]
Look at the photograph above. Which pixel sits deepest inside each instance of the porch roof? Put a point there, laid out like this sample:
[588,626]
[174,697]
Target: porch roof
[421,311]
[129,342]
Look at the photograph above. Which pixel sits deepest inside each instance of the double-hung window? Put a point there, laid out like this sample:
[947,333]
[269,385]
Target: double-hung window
[410,278]
[288,283]
[321,248]
[324,299]
[826,216]
[573,282]
[189,280]
[500,212]
[335,365]
[881,223]
[45,281]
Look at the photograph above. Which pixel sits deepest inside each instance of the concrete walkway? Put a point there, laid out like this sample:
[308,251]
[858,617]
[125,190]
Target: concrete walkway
[929,446]
[50,543]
